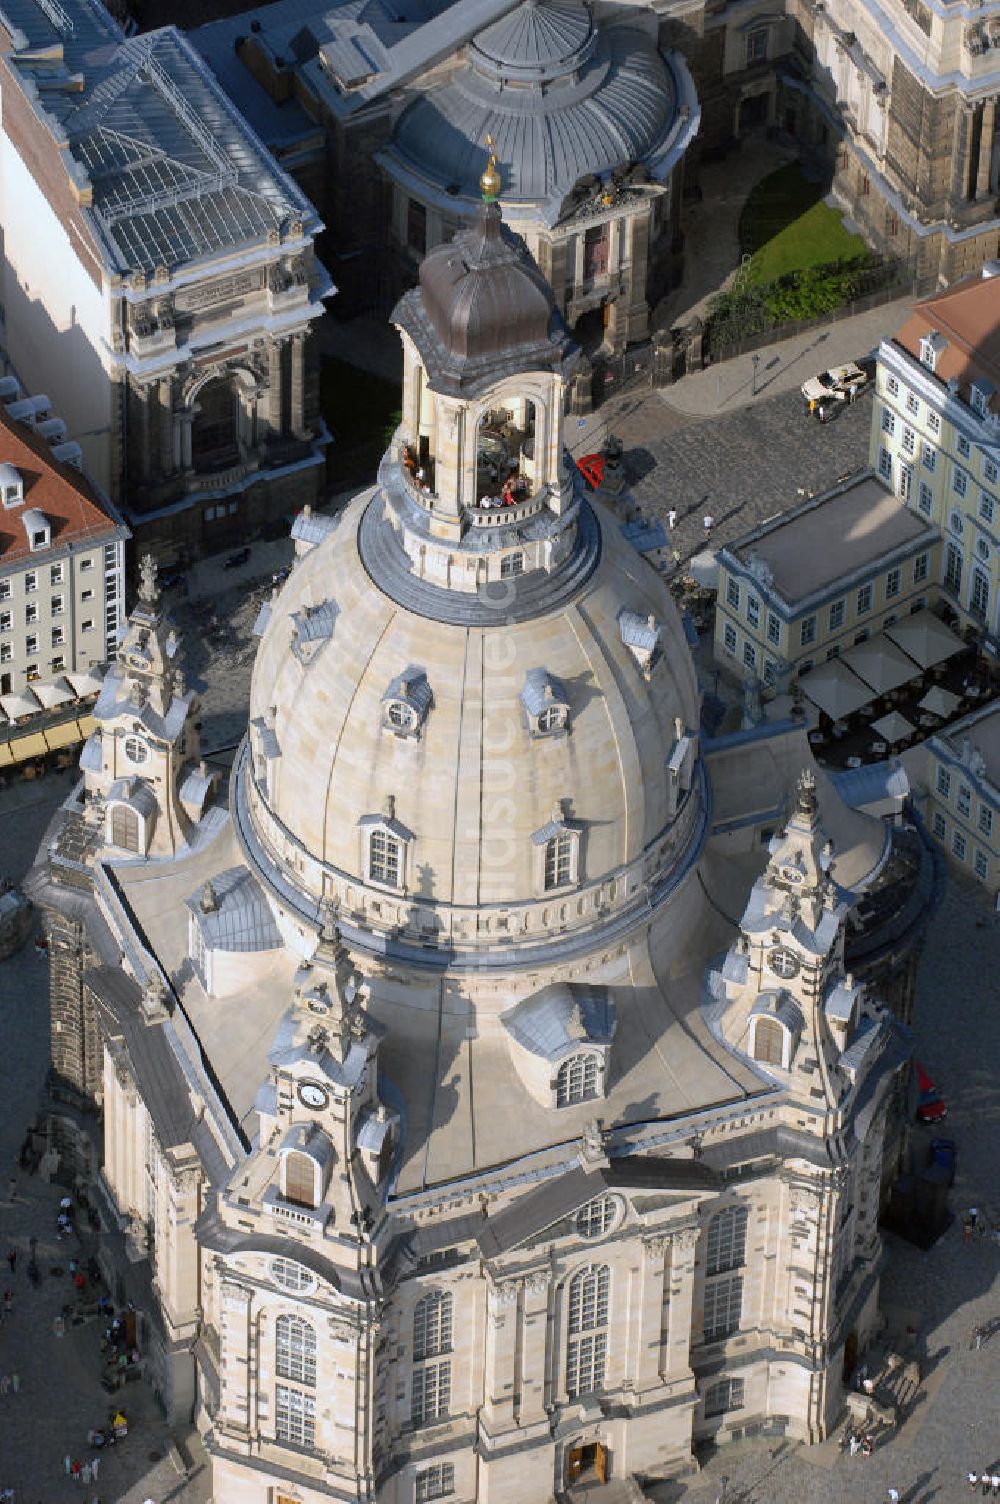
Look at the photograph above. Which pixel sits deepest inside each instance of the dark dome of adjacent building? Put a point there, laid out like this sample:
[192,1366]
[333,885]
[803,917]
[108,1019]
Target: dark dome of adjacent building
[562,99]
[482,294]
[539,41]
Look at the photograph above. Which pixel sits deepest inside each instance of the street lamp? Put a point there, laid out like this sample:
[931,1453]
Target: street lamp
[753,385]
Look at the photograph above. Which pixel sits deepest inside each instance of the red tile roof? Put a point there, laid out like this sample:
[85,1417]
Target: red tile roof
[968,317]
[73,509]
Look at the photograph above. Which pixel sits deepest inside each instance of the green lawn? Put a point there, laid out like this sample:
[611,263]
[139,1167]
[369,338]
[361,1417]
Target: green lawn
[786,227]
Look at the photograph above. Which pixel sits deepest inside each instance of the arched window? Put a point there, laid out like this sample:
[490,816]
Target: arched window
[551,719]
[295,1350]
[979,603]
[725,1254]
[213,429]
[587,1330]
[124,827]
[577,1080]
[431,1388]
[432,1325]
[299,1178]
[769,1042]
[558,860]
[385,858]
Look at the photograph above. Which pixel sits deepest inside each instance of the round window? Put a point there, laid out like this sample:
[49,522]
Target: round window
[136,749]
[291,1275]
[784,963]
[598,1217]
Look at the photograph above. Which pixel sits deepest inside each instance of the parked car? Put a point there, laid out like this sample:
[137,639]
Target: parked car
[591,467]
[944,1152]
[931,1106]
[839,384]
[235,560]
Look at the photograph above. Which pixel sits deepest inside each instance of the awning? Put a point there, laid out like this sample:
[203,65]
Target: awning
[925,638]
[23,747]
[938,701]
[54,692]
[881,664]
[835,689]
[87,725]
[893,727]
[16,706]
[66,734]
[86,681]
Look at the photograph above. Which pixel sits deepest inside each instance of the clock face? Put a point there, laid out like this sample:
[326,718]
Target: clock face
[783,963]
[311,1095]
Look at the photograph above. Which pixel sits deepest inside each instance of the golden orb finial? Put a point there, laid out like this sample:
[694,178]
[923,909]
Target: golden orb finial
[490,181]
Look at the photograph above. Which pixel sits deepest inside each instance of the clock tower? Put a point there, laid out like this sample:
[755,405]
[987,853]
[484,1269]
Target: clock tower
[782,996]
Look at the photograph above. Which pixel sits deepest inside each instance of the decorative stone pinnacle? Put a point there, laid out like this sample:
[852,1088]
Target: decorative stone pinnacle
[209,899]
[149,590]
[807,801]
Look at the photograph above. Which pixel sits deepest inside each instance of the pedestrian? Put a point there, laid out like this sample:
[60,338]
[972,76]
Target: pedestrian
[4,1385]
[87,1470]
[708,522]
[95,1463]
[672,518]
[12,1260]
[8,1301]
[15,1382]
[892,1496]
[985,1480]
[973,1217]
[995,1484]
[67,1464]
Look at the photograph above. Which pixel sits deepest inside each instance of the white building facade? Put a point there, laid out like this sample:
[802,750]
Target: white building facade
[159,278]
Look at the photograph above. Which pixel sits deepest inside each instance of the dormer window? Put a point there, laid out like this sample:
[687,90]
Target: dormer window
[546,706]
[305,1168]
[511,565]
[641,635]
[11,485]
[37,528]
[931,346]
[557,853]
[406,702]
[980,393]
[385,848]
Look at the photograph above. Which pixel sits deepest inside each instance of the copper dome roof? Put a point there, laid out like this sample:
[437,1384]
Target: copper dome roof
[482,294]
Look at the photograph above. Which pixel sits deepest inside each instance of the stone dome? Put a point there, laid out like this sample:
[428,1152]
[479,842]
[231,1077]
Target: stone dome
[561,98]
[474,789]
[482,293]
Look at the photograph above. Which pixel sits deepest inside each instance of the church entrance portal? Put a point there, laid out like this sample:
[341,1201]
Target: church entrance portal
[587,1463]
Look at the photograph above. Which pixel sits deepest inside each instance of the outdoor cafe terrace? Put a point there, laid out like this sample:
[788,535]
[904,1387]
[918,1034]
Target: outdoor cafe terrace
[893,690]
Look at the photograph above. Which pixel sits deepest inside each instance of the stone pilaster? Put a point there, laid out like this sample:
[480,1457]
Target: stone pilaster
[275,419]
[651,1273]
[534,1321]
[298,386]
[501,1343]
[676,1353]
[166,404]
[985,149]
